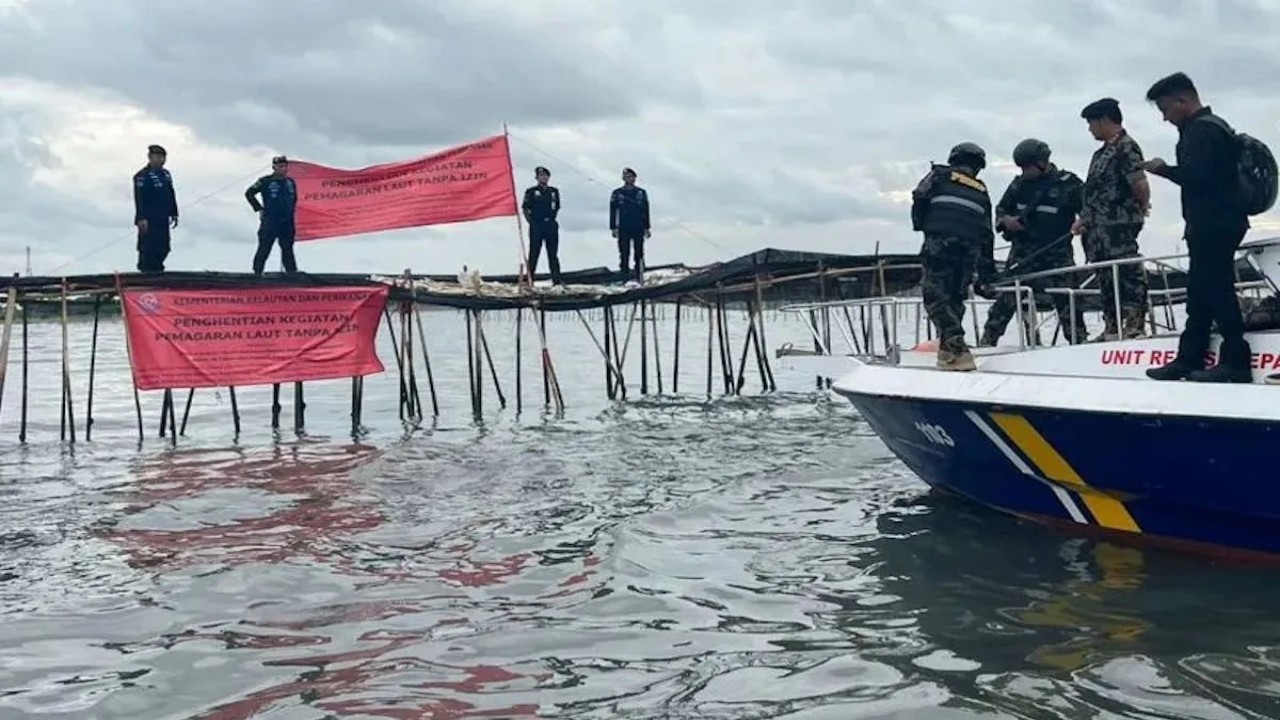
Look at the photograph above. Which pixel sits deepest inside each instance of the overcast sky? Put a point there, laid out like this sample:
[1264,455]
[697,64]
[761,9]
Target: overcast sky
[800,124]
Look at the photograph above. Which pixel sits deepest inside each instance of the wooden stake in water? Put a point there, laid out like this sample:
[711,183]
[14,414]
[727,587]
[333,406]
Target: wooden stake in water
[128,347]
[426,359]
[67,409]
[10,307]
[675,359]
[93,362]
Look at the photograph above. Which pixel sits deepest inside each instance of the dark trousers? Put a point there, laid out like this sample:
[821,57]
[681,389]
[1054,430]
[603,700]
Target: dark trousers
[153,245]
[1211,298]
[269,233]
[1118,242]
[628,240]
[1005,307]
[547,234]
[948,264]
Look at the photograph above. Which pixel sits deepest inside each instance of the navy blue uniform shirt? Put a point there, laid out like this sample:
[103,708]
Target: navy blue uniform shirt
[153,195]
[629,209]
[279,196]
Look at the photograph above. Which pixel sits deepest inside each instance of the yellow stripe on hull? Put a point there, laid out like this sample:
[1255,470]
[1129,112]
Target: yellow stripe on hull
[1108,511]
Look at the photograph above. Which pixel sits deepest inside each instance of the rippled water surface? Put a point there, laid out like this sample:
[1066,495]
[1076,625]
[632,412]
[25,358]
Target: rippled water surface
[666,557]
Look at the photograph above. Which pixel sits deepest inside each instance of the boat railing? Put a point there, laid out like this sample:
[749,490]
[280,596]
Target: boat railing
[872,327]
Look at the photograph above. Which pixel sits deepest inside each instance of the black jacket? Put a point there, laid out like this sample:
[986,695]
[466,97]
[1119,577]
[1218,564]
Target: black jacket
[629,209]
[153,196]
[1206,171]
[541,205]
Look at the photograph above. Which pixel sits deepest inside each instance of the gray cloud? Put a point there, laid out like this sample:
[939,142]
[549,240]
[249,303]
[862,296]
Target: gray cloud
[751,122]
[396,72]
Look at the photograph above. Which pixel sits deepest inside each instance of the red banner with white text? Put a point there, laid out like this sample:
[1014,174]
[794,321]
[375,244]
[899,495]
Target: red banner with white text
[463,183]
[226,338]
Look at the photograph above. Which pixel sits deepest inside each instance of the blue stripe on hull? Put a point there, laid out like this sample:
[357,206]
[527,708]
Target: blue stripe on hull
[1171,478]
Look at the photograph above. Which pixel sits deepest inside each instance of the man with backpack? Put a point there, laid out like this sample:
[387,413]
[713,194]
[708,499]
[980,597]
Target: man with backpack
[1225,177]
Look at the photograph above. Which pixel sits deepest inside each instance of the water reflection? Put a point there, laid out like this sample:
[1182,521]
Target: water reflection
[763,557]
[243,506]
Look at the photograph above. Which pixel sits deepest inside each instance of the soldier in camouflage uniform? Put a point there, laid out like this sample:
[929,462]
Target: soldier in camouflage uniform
[1036,214]
[1117,200]
[953,209]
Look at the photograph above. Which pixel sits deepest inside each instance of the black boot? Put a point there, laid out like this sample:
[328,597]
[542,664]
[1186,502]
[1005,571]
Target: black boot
[1222,374]
[1176,370]
[1233,365]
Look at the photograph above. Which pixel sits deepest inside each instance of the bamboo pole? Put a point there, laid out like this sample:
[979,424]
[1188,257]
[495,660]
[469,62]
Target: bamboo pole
[493,371]
[299,409]
[235,410]
[657,350]
[22,428]
[610,370]
[93,363]
[608,361]
[426,359]
[166,400]
[519,360]
[546,372]
[128,347]
[644,347]
[11,306]
[173,424]
[478,357]
[471,365]
[67,408]
[675,361]
[404,390]
[186,412]
[620,388]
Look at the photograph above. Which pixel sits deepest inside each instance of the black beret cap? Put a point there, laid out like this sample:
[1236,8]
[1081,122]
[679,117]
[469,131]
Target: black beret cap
[1104,108]
[156,150]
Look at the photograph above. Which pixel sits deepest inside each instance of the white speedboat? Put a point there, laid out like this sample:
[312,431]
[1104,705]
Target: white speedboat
[1079,436]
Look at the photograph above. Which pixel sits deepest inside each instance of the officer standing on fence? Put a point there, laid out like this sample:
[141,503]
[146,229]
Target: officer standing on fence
[629,223]
[276,211]
[953,209]
[1035,215]
[541,208]
[155,210]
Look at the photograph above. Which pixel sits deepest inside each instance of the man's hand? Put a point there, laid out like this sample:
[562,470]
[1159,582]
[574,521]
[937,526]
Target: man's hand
[614,233]
[1077,227]
[1155,165]
[173,221]
[142,226]
[647,234]
[1012,223]
[984,290]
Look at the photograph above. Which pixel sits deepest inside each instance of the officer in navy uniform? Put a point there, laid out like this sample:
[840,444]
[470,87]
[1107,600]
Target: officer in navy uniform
[1036,214]
[279,200]
[541,208]
[953,210]
[629,223]
[155,210]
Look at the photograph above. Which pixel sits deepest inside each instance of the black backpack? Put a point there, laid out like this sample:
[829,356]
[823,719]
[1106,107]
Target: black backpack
[1257,176]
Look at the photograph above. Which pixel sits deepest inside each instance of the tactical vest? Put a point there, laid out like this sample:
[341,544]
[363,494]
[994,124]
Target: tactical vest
[1045,206]
[955,205]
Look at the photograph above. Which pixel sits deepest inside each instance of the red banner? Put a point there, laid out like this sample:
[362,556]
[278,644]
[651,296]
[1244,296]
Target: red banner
[224,338]
[468,182]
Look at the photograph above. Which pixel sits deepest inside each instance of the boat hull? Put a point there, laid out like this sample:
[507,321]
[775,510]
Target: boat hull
[1204,485]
